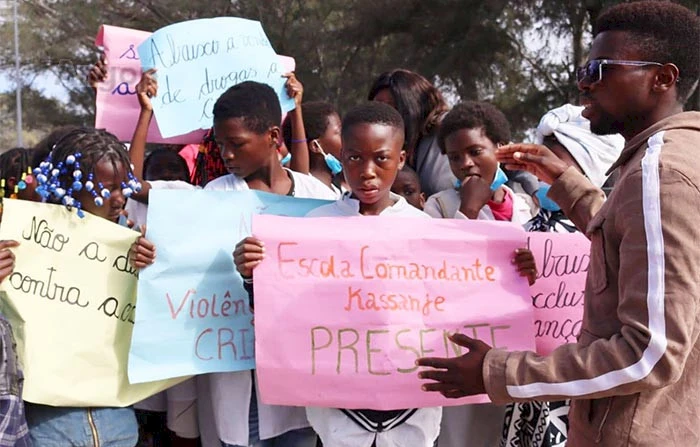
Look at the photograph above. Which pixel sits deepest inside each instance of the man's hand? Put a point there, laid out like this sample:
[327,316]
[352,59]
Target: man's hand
[460,376]
[533,158]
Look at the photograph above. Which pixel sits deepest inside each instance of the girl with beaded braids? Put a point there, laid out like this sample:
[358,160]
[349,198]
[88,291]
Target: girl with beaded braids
[89,170]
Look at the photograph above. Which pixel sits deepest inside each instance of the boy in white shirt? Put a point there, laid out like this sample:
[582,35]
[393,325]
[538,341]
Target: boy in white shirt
[372,155]
[246,128]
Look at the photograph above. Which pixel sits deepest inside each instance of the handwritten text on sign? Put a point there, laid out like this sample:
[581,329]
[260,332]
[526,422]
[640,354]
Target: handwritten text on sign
[357,308]
[117,108]
[71,303]
[193,313]
[199,60]
[557,296]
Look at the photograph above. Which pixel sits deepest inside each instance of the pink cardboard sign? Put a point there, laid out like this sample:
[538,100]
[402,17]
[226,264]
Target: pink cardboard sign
[557,296]
[345,306]
[117,107]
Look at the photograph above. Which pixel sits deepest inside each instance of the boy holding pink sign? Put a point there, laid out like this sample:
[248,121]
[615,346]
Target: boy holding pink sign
[372,156]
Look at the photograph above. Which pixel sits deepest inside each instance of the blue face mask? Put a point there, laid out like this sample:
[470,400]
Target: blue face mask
[545,202]
[499,180]
[333,164]
[287,158]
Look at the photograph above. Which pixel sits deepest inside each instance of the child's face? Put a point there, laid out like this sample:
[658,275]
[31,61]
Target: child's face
[245,152]
[371,158]
[166,171]
[111,174]
[407,186]
[330,141]
[471,153]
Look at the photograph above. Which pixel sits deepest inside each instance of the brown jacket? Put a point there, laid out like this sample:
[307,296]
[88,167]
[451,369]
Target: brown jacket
[634,374]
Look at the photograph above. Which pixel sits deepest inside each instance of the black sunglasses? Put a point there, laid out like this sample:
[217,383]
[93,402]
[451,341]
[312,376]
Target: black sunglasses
[593,70]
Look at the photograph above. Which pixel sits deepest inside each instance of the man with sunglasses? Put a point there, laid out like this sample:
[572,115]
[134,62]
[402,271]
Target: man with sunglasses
[634,374]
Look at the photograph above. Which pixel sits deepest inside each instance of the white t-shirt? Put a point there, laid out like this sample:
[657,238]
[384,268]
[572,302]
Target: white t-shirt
[227,395]
[337,191]
[332,425]
[305,186]
[445,204]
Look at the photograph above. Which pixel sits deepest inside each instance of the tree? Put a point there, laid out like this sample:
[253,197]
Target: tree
[498,50]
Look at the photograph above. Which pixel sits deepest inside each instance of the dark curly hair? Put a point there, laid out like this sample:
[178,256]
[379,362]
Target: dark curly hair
[257,104]
[475,115]
[316,116]
[372,112]
[664,32]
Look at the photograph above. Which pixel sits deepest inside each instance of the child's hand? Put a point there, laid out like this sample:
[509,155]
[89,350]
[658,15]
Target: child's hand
[248,254]
[98,72]
[143,252]
[146,89]
[7,258]
[524,260]
[295,89]
[129,222]
[474,194]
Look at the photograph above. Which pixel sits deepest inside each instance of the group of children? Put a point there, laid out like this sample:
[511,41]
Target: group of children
[366,163]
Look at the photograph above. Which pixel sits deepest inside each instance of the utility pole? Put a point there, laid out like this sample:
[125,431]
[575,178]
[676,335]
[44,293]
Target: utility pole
[18,78]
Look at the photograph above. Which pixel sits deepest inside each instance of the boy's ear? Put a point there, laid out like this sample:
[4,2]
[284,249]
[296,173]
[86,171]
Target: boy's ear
[422,200]
[315,147]
[402,159]
[275,136]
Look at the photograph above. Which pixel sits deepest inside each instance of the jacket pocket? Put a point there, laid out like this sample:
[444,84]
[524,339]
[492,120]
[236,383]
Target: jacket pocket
[598,414]
[597,270]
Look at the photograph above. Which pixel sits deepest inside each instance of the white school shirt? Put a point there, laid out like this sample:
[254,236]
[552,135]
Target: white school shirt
[481,424]
[338,192]
[334,427]
[445,204]
[224,398]
[306,186]
[137,211]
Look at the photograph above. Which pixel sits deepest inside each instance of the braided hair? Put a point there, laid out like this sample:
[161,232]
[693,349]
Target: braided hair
[70,166]
[209,164]
[14,167]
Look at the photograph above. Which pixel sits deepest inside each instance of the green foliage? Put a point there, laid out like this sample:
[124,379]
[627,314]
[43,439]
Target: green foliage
[519,54]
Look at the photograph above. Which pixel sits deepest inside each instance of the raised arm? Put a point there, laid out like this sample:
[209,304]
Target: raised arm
[299,147]
[146,89]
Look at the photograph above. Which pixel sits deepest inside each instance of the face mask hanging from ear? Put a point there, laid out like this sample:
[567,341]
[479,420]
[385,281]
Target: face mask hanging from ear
[499,180]
[286,159]
[545,202]
[333,163]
